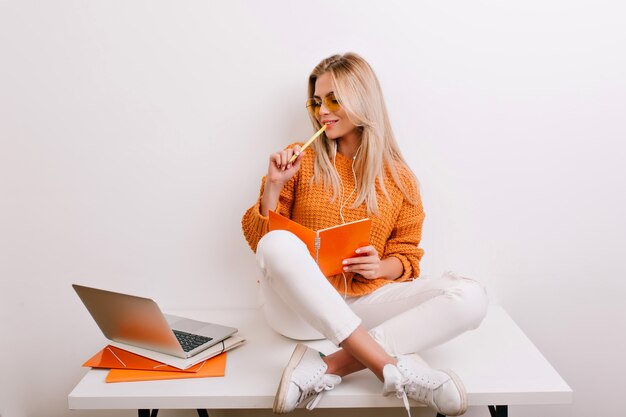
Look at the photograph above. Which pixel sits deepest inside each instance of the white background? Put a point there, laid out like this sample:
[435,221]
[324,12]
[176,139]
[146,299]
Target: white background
[133,136]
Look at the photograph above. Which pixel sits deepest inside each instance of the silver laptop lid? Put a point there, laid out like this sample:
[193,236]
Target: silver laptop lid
[130,319]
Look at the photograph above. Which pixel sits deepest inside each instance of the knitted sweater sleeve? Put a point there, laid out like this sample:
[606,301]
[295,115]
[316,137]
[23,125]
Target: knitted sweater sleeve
[255,225]
[405,238]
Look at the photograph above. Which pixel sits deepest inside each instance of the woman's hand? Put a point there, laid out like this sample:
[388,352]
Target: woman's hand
[279,171]
[368,264]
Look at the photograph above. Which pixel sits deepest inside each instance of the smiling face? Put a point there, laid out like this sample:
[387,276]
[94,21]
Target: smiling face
[339,125]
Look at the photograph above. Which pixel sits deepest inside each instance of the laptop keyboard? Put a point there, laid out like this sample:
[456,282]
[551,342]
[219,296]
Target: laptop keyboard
[190,341]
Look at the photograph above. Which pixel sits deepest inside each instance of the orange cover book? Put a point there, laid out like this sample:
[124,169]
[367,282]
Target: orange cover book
[112,357]
[330,246]
[212,367]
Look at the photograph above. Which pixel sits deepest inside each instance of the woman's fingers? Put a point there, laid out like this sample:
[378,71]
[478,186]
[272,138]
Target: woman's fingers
[366,262]
[281,159]
[295,154]
[366,272]
[276,160]
[358,268]
[280,169]
[366,250]
[360,262]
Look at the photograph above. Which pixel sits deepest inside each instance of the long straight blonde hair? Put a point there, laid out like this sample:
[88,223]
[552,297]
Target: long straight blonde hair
[358,91]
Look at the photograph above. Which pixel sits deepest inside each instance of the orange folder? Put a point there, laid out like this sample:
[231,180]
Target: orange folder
[330,246]
[215,366]
[115,358]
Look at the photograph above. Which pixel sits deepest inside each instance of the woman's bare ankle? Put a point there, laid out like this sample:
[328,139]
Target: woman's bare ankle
[341,364]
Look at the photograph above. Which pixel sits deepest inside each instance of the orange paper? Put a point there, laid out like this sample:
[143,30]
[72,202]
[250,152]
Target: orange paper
[335,243]
[215,366]
[114,358]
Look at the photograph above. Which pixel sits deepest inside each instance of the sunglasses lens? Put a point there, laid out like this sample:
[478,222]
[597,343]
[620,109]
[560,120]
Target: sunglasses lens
[331,102]
[314,106]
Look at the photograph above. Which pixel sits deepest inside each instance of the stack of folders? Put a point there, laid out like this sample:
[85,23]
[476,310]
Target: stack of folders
[128,363]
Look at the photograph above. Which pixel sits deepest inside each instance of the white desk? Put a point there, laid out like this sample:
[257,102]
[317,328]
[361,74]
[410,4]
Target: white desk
[498,364]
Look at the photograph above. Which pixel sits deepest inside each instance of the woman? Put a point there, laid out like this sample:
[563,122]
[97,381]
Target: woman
[376,311]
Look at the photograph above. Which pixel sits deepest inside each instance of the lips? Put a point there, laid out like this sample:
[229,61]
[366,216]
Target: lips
[329,123]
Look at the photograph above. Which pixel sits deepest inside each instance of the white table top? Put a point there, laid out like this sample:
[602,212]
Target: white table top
[498,364]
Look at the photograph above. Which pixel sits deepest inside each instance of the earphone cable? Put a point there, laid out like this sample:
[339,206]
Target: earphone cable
[342,202]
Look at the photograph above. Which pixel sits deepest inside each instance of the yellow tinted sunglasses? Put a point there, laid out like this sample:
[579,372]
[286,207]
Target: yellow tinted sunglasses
[315,103]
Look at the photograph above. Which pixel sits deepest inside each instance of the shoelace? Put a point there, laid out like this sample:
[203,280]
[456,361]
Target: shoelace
[401,394]
[404,387]
[420,392]
[326,383]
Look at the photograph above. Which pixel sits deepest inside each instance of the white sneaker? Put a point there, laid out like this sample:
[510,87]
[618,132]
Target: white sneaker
[441,390]
[303,376]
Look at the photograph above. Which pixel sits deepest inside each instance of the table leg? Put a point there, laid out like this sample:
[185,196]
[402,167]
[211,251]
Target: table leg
[494,410]
[146,413]
[499,410]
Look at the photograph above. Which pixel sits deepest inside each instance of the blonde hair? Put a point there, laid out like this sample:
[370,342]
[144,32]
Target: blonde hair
[359,94]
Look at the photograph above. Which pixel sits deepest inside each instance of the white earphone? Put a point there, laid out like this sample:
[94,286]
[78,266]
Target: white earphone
[343,202]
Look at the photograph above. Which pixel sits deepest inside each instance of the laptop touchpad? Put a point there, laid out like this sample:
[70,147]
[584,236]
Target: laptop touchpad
[187,325]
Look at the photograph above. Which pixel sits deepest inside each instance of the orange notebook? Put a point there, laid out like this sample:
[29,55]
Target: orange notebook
[330,246]
[212,367]
[115,358]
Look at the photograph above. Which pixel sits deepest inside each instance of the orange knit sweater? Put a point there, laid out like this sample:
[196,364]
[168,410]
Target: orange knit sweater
[396,230]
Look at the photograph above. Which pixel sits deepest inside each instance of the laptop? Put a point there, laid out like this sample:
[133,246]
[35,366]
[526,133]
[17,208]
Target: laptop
[139,322]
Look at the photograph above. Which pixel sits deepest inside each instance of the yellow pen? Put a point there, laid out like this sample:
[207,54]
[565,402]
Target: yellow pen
[308,142]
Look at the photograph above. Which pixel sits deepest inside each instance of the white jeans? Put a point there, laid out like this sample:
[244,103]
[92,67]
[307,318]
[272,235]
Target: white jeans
[405,317]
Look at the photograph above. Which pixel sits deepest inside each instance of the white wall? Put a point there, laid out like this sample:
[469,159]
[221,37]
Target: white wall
[133,136]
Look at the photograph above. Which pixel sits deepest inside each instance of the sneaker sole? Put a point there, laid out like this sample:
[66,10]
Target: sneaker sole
[459,384]
[283,386]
